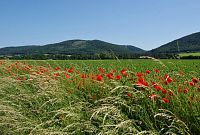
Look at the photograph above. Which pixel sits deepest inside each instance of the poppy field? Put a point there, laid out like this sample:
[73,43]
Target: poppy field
[103,97]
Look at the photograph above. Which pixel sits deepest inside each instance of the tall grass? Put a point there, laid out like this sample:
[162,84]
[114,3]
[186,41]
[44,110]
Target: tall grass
[51,104]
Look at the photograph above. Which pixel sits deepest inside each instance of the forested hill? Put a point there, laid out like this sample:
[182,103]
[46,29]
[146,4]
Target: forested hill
[95,49]
[190,43]
[71,47]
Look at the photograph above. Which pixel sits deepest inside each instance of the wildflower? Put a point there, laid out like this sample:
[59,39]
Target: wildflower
[57,68]
[195,80]
[165,100]
[110,75]
[148,71]
[142,82]
[83,76]
[66,75]
[170,93]
[168,79]
[139,74]
[156,70]
[129,94]
[164,91]
[57,74]
[99,78]
[191,83]
[123,71]
[101,70]
[157,87]
[118,77]
[114,70]
[70,70]
[145,83]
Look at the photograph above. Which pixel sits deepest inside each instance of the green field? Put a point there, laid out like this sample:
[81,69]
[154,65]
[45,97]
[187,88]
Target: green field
[104,97]
[189,54]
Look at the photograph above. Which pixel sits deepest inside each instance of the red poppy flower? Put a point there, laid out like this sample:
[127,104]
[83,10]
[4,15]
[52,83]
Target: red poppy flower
[66,75]
[157,87]
[118,77]
[57,68]
[114,70]
[83,76]
[156,70]
[165,100]
[145,83]
[123,71]
[191,83]
[101,70]
[141,80]
[70,70]
[129,94]
[110,75]
[195,80]
[99,78]
[164,91]
[57,74]
[168,79]
[139,74]
[170,93]
[148,71]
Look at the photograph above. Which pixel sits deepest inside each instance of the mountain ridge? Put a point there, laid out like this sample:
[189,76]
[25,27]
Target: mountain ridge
[75,46]
[189,43]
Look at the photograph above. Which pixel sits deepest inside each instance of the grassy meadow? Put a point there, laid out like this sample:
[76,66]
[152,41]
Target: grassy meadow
[103,97]
[189,54]
[195,54]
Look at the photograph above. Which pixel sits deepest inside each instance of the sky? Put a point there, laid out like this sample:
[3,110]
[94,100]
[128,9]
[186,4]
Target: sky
[146,24]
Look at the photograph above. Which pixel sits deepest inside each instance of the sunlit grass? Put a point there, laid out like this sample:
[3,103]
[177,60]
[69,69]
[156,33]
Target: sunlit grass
[66,97]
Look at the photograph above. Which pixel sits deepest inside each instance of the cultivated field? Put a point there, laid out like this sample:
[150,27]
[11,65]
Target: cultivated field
[189,54]
[104,97]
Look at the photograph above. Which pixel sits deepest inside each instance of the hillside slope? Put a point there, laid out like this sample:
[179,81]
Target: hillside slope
[190,43]
[72,47]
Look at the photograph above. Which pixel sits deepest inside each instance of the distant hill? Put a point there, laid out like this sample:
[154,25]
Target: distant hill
[71,47]
[190,43]
[95,49]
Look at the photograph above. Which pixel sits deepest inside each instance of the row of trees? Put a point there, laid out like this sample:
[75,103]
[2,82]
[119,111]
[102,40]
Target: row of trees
[88,56]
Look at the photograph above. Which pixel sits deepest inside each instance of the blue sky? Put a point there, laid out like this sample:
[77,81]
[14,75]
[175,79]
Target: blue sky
[143,23]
